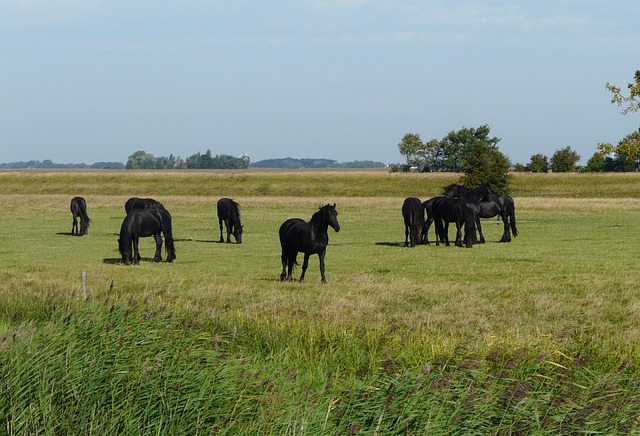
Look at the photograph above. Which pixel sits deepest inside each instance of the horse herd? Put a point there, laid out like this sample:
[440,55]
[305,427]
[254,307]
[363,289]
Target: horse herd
[462,206]
[458,204]
[148,217]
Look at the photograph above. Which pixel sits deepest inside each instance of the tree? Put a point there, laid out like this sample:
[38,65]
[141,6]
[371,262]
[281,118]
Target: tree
[411,147]
[457,143]
[484,162]
[539,163]
[564,160]
[633,99]
[434,155]
[141,160]
[595,164]
[627,149]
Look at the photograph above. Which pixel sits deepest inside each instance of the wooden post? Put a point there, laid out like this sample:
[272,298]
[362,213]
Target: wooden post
[84,286]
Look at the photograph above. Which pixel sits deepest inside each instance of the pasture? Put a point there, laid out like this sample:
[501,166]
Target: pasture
[537,335]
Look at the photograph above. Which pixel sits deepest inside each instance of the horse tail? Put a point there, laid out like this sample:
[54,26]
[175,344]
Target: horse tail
[165,225]
[512,220]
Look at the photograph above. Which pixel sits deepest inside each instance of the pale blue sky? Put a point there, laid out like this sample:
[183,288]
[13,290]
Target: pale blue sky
[93,80]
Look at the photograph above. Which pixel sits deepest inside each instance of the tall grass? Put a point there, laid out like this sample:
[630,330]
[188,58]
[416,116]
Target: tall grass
[535,336]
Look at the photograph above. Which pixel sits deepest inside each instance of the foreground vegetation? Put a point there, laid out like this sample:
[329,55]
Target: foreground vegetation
[536,336]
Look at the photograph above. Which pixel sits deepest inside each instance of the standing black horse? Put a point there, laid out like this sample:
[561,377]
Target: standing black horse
[413,214]
[140,223]
[229,213]
[141,203]
[460,210]
[501,205]
[297,235]
[79,210]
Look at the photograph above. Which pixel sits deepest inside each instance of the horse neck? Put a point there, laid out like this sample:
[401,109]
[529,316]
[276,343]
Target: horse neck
[318,221]
[234,215]
[478,195]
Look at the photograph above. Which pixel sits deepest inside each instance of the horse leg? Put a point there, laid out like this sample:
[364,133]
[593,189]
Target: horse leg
[506,234]
[227,223]
[220,223]
[136,253]
[406,235]
[425,231]
[445,234]
[158,256]
[458,234]
[321,256]
[305,264]
[171,250]
[284,260]
[74,226]
[479,226]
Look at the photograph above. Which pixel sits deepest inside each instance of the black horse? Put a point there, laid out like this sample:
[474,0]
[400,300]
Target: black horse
[140,223]
[297,235]
[141,203]
[460,210]
[413,214]
[497,205]
[79,210]
[229,213]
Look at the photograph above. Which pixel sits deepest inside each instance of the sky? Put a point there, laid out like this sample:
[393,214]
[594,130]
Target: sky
[84,81]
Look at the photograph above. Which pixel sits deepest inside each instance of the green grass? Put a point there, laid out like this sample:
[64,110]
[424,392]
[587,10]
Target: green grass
[536,336]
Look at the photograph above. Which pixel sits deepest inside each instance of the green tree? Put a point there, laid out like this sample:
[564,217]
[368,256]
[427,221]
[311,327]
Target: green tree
[564,160]
[457,143]
[628,149]
[539,163]
[595,164]
[412,148]
[632,100]
[141,160]
[435,155]
[484,162]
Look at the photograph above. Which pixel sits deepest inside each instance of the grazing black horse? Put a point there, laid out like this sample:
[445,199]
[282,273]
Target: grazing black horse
[413,214]
[501,205]
[297,235]
[79,210]
[140,223]
[460,210]
[229,213]
[141,203]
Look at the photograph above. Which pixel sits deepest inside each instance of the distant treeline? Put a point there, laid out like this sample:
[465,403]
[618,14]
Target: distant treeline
[143,160]
[292,163]
[47,163]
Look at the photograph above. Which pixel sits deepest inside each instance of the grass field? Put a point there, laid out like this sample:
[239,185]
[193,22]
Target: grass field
[536,336]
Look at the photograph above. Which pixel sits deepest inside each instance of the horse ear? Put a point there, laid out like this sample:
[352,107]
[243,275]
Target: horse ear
[334,205]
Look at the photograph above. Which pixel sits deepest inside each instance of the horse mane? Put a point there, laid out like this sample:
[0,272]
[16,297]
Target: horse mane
[455,190]
[236,208]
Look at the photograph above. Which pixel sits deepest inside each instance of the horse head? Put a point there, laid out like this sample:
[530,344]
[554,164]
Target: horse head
[330,216]
[237,233]
[124,246]
[484,191]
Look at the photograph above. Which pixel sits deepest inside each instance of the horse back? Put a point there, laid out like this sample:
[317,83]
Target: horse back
[141,203]
[298,235]
[412,210]
[228,209]
[146,222]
